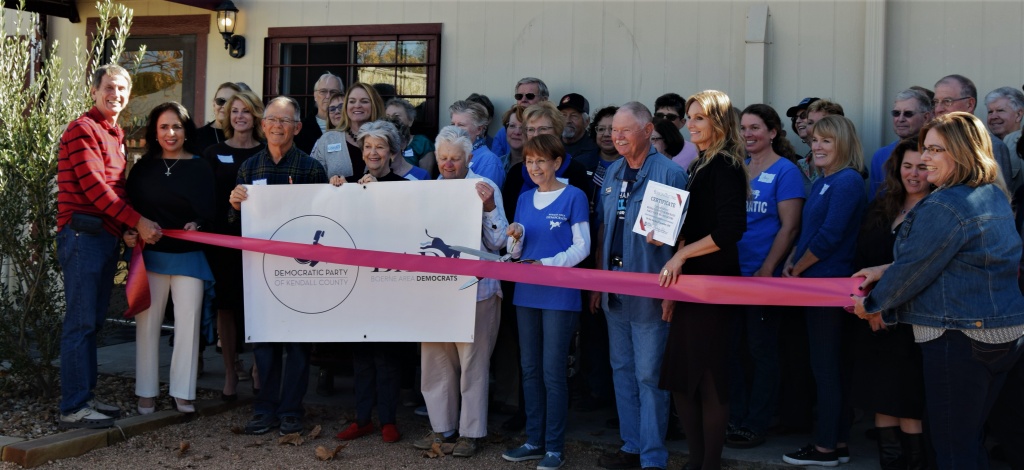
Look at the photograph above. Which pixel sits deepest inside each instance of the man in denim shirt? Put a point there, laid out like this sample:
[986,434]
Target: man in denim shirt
[636,332]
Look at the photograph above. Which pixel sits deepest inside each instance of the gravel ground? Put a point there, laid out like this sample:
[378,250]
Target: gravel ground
[211,442]
[28,415]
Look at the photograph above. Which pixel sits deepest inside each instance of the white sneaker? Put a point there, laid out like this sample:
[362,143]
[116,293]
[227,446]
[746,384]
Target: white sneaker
[86,418]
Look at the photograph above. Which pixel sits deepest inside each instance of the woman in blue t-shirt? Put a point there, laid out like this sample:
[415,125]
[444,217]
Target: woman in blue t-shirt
[773,221]
[551,228]
[825,248]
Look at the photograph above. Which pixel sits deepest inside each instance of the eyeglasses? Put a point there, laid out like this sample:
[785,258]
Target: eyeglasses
[603,130]
[671,117]
[336,108]
[657,139]
[529,96]
[220,101]
[948,101]
[538,130]
[932,149]
[513,127]
[279,121]
[326,91]
[907,114]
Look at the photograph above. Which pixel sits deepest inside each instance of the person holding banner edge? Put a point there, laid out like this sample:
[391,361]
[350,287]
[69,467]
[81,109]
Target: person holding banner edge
[454,371]
[552,229]
[279,402]
[695,365]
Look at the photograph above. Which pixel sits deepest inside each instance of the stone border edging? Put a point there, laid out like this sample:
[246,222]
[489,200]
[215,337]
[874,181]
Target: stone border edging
[77,442]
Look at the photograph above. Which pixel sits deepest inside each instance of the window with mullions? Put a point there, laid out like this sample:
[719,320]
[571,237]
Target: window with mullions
[404,58]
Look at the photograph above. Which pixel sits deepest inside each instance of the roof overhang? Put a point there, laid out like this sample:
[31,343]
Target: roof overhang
[60,8]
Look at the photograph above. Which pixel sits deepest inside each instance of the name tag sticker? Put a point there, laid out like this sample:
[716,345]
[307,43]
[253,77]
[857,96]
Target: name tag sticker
[226,158]
[766,178]
[408,153]
[260,182]
[334,147]
[823,189]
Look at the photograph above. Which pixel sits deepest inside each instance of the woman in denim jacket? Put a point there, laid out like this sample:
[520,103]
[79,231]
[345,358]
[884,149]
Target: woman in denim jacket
[954,279]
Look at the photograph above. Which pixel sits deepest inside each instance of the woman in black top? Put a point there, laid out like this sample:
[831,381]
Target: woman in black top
[173,187]
[376,366]
[241,124]
[695,364]
[887,369]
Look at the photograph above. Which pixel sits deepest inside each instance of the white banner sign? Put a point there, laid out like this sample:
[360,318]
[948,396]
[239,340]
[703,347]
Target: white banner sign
[304,300]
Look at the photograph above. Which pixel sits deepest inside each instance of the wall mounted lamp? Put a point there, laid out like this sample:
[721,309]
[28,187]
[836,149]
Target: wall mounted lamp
[226,15]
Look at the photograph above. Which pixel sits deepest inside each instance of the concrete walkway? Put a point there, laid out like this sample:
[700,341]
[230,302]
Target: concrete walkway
[588,428]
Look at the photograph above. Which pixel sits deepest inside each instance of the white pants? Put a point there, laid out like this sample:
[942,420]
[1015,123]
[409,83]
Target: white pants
[187,293]
[454,370]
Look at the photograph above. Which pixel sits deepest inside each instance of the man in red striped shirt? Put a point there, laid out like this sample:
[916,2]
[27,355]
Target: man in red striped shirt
[92,212]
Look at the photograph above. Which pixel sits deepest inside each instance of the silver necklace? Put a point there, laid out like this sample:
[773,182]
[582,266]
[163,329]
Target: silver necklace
[176,160]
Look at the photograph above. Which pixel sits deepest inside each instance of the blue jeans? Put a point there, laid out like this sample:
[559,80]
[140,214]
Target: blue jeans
[754,407]
[544,337]
[87,264]
[825,334]
[962,379]
[275,399]
[376,374]
[635,350]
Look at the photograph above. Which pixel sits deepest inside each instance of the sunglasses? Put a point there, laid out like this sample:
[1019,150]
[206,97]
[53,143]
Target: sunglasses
[670,117]
[907,114]
[220,101]
[336,108]
[529,96]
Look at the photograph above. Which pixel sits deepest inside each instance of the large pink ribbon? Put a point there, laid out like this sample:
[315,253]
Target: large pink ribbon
[137,283]
[814,292]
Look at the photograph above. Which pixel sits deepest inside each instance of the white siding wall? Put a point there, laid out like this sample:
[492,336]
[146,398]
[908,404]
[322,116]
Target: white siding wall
[615,51]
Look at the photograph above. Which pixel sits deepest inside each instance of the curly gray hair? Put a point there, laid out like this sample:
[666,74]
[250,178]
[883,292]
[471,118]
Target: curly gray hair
[381,129]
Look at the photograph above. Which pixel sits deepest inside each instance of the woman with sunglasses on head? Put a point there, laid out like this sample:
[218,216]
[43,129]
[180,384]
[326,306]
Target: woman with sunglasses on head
[213,132]
[954,279]
[175,188]
[825,248]
[241,124]
[695,364]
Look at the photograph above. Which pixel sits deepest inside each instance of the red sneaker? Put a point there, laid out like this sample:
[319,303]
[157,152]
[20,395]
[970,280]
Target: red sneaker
[390,433]
[354,431]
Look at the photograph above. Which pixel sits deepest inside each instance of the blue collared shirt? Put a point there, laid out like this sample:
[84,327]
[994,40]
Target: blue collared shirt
[637,255]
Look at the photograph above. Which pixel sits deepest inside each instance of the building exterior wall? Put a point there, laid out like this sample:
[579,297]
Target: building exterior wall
[616,51]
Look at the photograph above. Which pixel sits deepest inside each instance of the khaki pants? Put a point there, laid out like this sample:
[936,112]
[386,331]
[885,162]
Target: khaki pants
[451,370]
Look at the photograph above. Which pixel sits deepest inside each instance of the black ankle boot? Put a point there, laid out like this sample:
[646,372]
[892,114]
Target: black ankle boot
[890,449]
[913,451]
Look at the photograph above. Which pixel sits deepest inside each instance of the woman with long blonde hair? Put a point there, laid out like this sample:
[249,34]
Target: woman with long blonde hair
[695,364]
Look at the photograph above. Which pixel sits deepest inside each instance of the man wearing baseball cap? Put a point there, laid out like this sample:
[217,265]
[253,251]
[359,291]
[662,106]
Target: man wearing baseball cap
[578,142]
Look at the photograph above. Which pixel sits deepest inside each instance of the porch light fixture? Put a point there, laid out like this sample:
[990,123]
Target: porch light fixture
[226,15]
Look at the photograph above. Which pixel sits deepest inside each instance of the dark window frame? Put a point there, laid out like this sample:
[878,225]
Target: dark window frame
[427,117]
